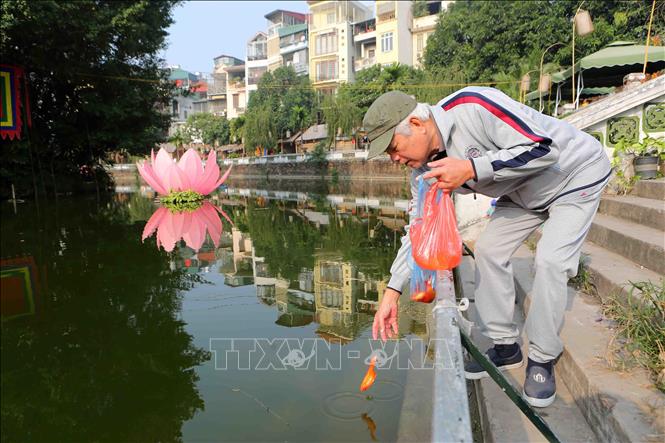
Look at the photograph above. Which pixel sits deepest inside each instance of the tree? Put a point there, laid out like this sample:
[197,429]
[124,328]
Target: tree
[289,101]
[341,114]
[214,130]
[96,82]
[481,40]
[237,129]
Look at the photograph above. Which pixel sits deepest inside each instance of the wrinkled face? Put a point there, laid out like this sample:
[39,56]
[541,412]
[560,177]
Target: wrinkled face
[413,150]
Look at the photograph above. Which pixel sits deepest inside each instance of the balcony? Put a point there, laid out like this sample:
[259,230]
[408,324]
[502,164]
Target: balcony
[364,30]
[425,23]
[364,63]
[300,68]
[290,47]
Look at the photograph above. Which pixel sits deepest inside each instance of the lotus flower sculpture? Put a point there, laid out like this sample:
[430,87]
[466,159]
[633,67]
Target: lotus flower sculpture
[190,226]
[187,175]
[182,187]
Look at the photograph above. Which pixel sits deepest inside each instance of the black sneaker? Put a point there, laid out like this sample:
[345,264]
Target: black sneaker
[539,385]
[503,356]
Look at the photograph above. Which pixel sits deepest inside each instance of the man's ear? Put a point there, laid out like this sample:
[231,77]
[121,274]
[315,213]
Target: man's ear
[417,124]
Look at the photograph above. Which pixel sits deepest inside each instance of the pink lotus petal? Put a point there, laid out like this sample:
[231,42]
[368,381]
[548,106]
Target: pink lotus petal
[166,234]
[162,165]
[212,221]
[222,180]
[196,234]
[149,176]
[206,184]
[190,165]
[176,179]
[154,222]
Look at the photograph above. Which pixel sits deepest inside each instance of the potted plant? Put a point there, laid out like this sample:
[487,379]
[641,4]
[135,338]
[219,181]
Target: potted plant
[646,155]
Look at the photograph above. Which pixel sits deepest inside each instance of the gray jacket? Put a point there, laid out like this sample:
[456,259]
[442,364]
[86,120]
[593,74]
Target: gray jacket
[517,153]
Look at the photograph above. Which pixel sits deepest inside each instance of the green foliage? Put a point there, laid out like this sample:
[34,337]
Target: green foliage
[419,8]
[213,129]
[318,155]
[584,280]
[237,129]
[181,137]
[483,40]
[96,84]
[646,148]
[179,201]
[640,329]
[340,113]
[285,102]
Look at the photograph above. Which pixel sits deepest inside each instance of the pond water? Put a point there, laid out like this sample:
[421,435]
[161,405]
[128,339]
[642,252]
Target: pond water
[106,337]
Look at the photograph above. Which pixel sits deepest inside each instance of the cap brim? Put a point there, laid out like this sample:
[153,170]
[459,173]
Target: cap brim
[379,145]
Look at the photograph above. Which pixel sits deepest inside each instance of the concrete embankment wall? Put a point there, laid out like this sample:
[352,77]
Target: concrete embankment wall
[352,169]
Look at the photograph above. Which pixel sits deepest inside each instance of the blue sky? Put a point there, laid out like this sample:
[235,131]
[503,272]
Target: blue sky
[206,29]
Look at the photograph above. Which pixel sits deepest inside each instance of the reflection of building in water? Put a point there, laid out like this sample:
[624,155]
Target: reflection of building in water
[295,308]
[236,265]
[306,280]
[336,292]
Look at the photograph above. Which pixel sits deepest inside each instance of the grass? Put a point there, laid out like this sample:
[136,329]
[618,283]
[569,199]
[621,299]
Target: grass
[640,329]
[583,281]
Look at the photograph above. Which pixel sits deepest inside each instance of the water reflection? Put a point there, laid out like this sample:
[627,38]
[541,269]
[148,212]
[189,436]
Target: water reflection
[105,356]
[190,226]
[115,348]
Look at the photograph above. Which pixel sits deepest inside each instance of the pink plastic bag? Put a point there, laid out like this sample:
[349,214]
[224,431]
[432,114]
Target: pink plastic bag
[435,241]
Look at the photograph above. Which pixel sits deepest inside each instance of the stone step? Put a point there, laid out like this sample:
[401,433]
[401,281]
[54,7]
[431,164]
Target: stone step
[612,273]
[650,189]
[620,407]
[645,211]
[641,244]
[501,420]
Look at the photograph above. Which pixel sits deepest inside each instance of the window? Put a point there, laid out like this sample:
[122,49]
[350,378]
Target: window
[419,43]
[326,70]
[326,43]
[387,42]
[236,101]
[174,108]
[370,53]
[331,18]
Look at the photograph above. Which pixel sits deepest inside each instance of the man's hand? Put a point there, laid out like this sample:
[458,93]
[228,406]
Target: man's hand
[385,318]
[450,172]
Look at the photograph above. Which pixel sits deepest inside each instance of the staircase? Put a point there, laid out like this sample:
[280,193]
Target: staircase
[626,243]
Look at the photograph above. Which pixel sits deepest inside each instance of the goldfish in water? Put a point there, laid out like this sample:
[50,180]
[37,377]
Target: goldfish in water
[370,376]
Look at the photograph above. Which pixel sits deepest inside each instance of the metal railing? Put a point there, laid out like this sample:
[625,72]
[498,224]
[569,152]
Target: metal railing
[451,420]
[293,158]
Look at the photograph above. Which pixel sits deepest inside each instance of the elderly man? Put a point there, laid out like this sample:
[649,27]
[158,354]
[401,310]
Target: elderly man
[543,171]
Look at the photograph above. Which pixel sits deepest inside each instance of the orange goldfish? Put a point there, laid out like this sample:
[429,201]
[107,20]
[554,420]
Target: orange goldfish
[425,296]
[370,376]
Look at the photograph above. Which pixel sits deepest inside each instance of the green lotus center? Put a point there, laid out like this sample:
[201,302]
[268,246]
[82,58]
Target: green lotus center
[179,201]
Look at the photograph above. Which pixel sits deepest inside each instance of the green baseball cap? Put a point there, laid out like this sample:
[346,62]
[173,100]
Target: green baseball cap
[383,116]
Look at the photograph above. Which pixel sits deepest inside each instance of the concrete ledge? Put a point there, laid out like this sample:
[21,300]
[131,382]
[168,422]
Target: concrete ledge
[650,189]
[646,211]
[620,407]
[640,244]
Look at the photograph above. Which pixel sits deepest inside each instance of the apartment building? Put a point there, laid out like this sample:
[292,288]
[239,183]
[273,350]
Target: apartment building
[331,39]
[256,63]
[425,20]
[236,93]
[364,41]
[293,47]
[277,20]
[217,100]
[393,35]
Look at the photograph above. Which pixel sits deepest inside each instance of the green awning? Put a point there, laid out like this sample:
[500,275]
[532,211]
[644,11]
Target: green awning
[293,29]
[533,95]
[615,54]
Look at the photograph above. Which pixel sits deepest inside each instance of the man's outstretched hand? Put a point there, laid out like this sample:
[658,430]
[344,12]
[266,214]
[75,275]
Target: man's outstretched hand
[385,319]
[451,173]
